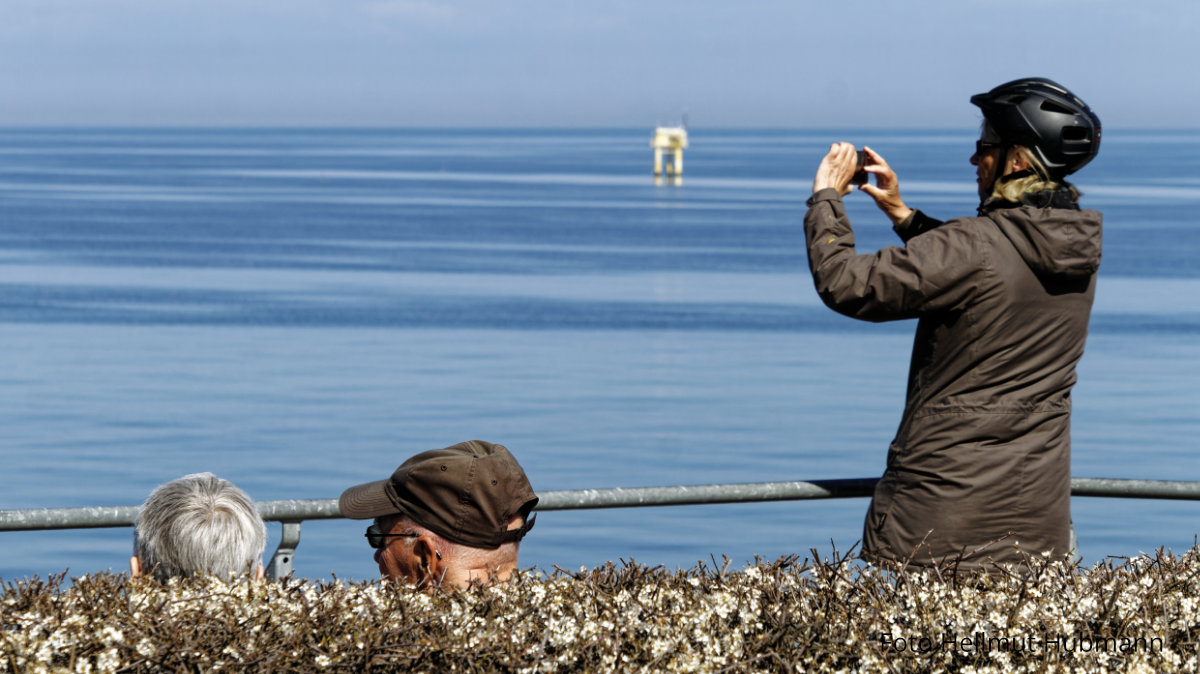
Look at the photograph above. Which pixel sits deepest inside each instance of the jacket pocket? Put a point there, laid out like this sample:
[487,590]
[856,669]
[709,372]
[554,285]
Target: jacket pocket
[881,503]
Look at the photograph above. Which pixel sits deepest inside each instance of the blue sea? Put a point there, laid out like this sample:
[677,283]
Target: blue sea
[300,310]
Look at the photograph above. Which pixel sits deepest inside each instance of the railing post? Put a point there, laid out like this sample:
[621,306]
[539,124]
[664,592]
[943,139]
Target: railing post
[281,561]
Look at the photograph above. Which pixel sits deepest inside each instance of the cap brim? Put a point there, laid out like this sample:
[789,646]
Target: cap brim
[367,501]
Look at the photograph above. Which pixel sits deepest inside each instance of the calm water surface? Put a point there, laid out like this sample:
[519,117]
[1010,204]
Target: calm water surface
[298,311]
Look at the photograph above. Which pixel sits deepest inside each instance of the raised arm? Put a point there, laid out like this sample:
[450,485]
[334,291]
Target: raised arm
[929,273]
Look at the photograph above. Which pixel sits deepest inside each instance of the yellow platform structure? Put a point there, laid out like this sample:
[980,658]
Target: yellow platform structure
[671,139]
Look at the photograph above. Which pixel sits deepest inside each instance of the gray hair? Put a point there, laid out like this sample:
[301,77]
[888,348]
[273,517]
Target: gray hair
[199,523]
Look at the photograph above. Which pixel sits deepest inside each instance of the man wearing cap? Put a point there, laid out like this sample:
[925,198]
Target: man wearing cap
[452,516]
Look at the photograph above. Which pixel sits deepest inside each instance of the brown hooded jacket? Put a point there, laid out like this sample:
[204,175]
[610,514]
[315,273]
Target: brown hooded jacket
[981,464]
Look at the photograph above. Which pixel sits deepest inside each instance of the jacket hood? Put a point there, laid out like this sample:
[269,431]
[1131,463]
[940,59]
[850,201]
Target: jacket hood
[1055,242]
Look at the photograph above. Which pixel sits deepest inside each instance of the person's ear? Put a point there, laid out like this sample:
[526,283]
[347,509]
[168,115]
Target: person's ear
[135,567]
[430,559]
[1017,161]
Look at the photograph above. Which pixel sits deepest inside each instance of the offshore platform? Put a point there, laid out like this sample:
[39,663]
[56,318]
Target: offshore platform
[672,139]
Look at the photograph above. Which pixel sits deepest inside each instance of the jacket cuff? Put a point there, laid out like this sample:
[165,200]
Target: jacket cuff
[916,223]
[827,194]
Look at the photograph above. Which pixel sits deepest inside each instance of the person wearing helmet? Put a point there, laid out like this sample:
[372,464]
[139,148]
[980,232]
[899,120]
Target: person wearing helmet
[979,470]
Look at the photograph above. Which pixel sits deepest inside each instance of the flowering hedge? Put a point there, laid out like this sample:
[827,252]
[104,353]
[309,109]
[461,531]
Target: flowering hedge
[789,615]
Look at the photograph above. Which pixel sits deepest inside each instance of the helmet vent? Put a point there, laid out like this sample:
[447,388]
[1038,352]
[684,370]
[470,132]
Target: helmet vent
[1075,133]
[1051,106]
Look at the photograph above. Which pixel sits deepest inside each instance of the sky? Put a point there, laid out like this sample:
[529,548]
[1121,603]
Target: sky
[611,63]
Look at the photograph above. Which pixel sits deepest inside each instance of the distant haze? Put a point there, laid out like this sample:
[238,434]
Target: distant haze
[876,63]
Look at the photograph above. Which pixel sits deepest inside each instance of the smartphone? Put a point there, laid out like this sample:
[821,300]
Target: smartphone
[860,176]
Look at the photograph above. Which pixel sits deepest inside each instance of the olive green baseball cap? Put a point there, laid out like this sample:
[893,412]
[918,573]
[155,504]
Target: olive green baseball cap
[466,493]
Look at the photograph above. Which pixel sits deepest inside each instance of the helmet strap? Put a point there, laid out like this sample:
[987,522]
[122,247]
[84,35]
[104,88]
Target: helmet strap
[1016,175]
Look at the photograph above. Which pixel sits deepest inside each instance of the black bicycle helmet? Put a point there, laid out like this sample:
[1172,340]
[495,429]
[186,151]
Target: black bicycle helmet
[1044,116]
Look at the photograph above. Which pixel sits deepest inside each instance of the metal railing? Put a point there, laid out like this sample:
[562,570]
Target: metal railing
[292,512]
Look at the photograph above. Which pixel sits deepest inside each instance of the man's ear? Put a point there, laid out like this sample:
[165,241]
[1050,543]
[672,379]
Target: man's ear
[135,566]
[432,565]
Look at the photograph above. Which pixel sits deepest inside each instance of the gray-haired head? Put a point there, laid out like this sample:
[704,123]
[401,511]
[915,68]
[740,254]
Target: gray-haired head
[199,523]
